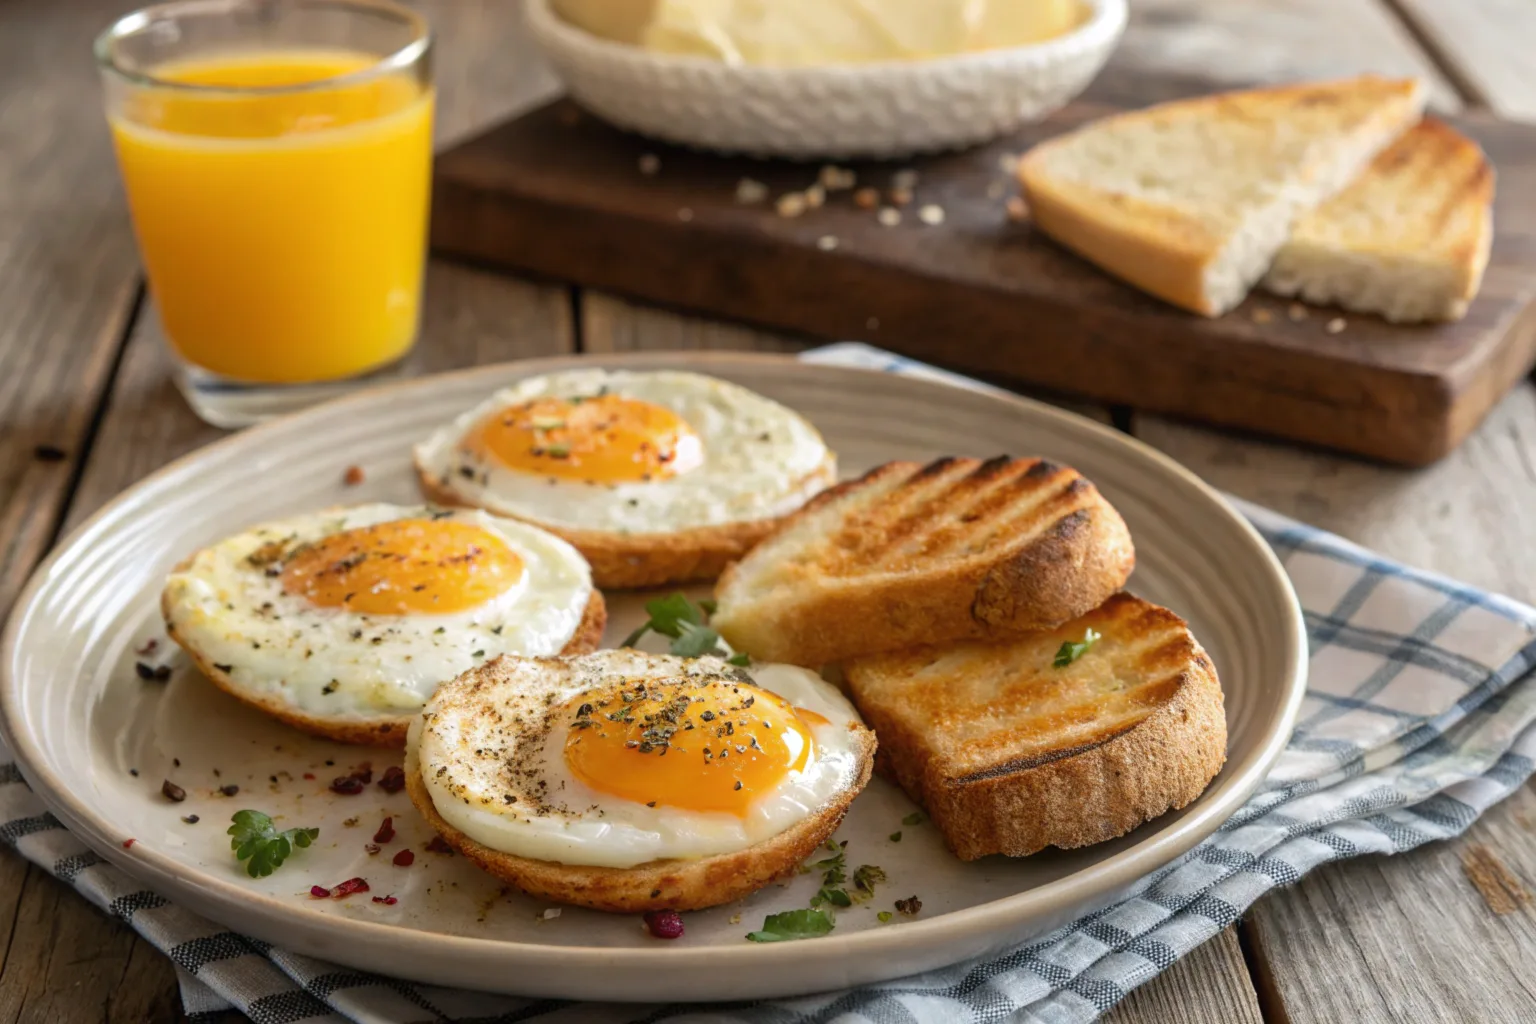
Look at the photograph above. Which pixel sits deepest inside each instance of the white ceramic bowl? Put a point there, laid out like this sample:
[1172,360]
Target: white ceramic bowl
[864,110]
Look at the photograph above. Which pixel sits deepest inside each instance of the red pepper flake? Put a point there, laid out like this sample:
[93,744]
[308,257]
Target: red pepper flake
[404,859]
[310,776]
[349,887]
[347,785]
[319,892]
[440,845]
[388,901]
[128,843]
[150,646]
[664,924]
[393,779]
[354,476]
[363,771]
[386,831]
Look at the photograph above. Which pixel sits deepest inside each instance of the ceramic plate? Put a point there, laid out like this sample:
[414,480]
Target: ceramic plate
[96,741]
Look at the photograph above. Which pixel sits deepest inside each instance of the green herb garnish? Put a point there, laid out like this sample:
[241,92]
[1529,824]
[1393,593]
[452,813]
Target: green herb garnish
[263,848]
[894,837]
[1070,652]
[915,818]
[865,878]
[687,624]
[793,924]
[884,916]
[833,874]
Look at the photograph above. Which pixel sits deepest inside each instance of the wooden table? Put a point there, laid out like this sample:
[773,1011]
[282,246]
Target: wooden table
[1444,933]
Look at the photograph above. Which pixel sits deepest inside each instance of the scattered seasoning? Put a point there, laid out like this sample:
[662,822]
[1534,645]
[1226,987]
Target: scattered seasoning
[172,792]
[1297,311]
[353,476]
[884,916]
[191,819]
[127,843]
[372,848]
[1262,316]
[440,845]
[1069,651]
[319,892]
[866,198]
[349,823]
[650,163]
[837,179]
[550,914]
[915,818]
[404,859]
[909,906]
[388,901]
[230,789]
[900,196]
[685,215]
[393,779]
[310,776]
[664,924]
[226,669]
[134,772]
[386,831]
[150,647]
[49,453]
[750,192]
[826,243]
[346,785]
[357,885]
[1018,209]
[1336,325]
[889,216]
[146,672]
[790,204]
[894,837]
[815,196]
[176,762]
[931,214]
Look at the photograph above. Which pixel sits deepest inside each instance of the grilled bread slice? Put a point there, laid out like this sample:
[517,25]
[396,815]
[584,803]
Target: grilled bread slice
[1009,753]
[1409,239]
[1191,200]
[958,549]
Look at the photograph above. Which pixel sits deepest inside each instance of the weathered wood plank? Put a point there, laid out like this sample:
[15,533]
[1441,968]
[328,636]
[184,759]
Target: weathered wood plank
[1210,986]
[1486,45]
[1261,41]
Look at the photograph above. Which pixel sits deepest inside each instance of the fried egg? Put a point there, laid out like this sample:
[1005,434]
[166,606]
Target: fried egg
[616,758]
[628,452]
[362,612]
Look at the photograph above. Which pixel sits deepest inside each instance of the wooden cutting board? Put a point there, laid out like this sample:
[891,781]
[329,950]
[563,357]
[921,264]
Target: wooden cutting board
[559,194]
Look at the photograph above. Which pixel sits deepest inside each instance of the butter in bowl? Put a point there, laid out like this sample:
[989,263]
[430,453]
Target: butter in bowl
[825,78]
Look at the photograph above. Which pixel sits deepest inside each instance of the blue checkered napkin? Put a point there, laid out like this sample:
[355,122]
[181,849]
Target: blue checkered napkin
[1418,717]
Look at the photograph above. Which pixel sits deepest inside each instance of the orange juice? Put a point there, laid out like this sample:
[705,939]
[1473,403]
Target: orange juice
[283,233]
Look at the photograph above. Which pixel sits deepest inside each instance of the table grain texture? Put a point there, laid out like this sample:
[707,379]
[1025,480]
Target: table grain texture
[1446,933]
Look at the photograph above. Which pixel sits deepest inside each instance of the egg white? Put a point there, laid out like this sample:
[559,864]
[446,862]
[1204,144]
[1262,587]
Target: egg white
[463,757]
[339,664]
[757,459]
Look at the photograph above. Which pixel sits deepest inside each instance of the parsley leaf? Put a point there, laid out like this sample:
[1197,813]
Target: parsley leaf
[884,916]
[1070,652]
[915,818]
[261,845]
[865,878]
[679,618]
[793,924]
[836,897]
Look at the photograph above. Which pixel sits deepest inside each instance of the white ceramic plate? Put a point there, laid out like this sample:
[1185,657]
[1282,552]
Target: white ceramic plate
[79,718]
[888,109]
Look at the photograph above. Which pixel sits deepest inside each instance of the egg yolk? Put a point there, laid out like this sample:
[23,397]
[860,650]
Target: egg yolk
[602,439]
[403,567]
[711,745]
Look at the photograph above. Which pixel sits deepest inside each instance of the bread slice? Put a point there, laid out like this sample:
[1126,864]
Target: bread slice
[958,549]
[1010,754]
[1191,200]
[629,561]
[665,884]
[380,730]
[1409,239]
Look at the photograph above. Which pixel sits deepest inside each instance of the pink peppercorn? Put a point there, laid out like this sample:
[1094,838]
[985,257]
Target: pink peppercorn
[664,924]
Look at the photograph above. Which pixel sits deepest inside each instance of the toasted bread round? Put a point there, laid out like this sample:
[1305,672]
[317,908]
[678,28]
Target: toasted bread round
[958,549]
[1025,754]
[629,561]
[383,730]
[659,884]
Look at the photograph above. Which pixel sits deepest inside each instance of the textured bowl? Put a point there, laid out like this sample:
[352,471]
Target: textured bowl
[865,110]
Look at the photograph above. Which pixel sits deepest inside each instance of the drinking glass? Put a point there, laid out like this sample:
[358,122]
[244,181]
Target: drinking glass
[277,160]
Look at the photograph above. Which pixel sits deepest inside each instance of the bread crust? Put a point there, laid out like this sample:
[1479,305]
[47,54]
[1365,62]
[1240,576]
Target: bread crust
[632,561]
[660,884]
[1083,556]
[382,730]
[1065,798]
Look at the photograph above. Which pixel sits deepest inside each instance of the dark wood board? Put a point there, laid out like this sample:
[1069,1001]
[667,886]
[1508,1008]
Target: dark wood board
[558,193]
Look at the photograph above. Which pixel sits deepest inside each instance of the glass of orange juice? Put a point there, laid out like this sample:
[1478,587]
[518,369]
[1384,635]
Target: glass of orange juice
[277,159]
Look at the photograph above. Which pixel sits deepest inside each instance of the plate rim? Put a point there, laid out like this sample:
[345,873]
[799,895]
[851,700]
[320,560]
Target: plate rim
[237,904]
